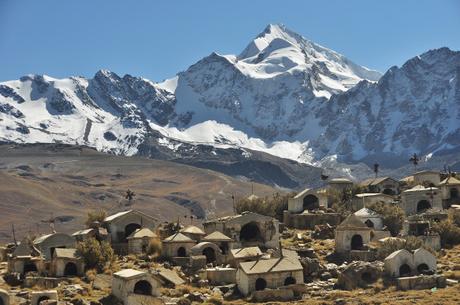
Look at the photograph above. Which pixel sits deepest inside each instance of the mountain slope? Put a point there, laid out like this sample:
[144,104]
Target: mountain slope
[282,95]
[270,91]
[414,108]
[71,180]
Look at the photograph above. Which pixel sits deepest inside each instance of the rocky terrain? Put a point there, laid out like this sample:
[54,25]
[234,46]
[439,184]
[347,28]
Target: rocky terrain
[283,98]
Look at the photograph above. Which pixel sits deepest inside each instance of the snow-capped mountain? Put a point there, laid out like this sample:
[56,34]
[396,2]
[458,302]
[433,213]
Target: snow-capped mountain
[414,108]
[283,95]
[270,91]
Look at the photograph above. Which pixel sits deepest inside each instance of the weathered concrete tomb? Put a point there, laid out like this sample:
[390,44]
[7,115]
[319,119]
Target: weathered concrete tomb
[224,242]
[351,234]
[308,220]
[47,244]
[403,263]
[420,227]
[66,263]
[36,297]
[139,240]
[193,232]
[432,178]
[385,185]
[135,287]
[308,199]
[247,229]
[340,184]
[268,273]
[419,199]
[370,218]
[24,264]
[177,245]
[221,275]
[121,225]
[363,200]
[308,209]
[96,232]
[450,190]
[210,250]
[239,255]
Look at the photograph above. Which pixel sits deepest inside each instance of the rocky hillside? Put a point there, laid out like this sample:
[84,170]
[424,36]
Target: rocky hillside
[283,98]
[43,181]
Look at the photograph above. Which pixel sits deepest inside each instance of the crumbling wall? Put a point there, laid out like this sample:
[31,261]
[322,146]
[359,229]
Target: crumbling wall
[282,294]
[421,282]
[308,221]
[36,296]
[220,276]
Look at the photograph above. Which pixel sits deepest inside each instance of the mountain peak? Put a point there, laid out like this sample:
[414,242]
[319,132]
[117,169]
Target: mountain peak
[270,33]
[273,28]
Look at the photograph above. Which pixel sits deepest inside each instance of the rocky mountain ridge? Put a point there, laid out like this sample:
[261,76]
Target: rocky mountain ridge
[283,98]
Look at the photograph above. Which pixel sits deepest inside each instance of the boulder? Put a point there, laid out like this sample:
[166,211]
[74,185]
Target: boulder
[359,274]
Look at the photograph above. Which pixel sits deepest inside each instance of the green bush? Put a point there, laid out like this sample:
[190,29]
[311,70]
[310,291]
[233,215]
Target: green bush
[392,216]
[449,232]
[95,254]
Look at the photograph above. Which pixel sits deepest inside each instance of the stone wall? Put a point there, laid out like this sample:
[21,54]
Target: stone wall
[139,299]
[282,294]
[36,296]
[247,282]
[421,282]
[221,276]
[410,199]
[361,255]
[309,221]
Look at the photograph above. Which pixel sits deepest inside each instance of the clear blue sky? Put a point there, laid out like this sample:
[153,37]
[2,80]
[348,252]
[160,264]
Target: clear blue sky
[157,39]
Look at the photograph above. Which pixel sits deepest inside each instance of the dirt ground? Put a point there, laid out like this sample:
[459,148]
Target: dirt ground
[38,184]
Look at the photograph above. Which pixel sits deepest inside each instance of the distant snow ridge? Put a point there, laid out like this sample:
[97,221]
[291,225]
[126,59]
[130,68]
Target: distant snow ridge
[283,95]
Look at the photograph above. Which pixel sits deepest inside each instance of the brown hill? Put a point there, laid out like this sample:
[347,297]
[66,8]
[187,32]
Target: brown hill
[43,181]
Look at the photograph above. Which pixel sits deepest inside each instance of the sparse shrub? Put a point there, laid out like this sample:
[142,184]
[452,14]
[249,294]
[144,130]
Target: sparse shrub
[215,300]
[184,301]
[95,254]
[392,216]
[154,247]
[93,216]
[91,275]
[449,232]
[269,206]
[454,215]
[342,200]
[389,246]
